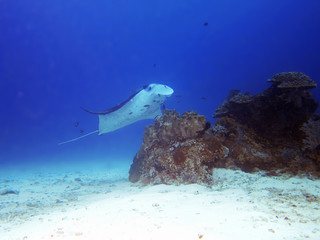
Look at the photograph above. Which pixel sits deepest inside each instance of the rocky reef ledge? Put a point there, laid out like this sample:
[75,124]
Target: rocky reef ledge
[276,131]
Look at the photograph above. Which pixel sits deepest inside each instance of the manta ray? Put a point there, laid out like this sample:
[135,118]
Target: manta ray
[146,103]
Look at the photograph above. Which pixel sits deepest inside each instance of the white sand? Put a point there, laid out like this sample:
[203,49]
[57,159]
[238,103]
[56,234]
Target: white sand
[100,205]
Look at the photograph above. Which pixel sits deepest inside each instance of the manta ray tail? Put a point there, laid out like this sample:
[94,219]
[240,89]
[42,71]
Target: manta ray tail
[75,139]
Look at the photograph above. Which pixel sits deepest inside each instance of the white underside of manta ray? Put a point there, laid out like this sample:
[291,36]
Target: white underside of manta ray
[144,104]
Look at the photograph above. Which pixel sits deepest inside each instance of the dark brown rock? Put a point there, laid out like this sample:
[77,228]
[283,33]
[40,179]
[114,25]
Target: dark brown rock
[250,153]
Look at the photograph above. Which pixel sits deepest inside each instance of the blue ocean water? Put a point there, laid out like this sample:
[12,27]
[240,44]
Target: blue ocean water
[58,56]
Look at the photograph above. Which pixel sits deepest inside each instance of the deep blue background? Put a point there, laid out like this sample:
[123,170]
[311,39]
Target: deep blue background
[58,55]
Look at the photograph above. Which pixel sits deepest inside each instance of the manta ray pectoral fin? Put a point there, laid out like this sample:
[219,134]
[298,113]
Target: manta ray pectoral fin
[75,139]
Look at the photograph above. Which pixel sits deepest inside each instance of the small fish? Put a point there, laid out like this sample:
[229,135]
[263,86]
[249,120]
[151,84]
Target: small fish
[177,95]
[130,113]
[154,65]
[203,98]
[147,105]
[205,24]
[81,131]
[76,124]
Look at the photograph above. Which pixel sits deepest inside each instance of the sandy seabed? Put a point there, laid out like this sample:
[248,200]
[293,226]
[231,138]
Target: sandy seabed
[102,204]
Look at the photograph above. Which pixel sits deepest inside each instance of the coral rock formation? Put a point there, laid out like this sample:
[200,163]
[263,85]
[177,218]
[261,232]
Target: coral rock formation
[276,131]
[278,113]
[174,151]
[292,80]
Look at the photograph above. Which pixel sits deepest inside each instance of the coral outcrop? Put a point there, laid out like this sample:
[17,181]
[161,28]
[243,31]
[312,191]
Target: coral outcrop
[175,151]
[276,131]
[278,113]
